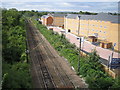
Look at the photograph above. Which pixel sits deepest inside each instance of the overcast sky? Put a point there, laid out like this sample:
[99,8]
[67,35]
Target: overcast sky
[63,5]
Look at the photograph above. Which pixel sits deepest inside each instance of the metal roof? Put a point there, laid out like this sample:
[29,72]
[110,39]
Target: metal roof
[73,16]
[58,15]
[100,16]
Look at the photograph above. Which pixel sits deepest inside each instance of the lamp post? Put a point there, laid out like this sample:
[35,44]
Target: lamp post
[79,45]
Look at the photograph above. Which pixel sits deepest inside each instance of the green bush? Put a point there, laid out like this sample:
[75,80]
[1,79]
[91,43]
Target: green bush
[15,69]
[16,76]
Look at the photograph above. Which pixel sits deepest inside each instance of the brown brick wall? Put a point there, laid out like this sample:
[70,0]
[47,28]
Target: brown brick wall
[49,21]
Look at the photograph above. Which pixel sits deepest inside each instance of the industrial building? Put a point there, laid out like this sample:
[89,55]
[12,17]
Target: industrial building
[102,28]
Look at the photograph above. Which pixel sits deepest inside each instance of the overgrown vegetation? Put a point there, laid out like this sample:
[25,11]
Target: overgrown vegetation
[14,60]
[90,67]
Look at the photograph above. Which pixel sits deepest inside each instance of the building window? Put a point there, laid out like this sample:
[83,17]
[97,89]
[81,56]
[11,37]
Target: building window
[104,32]
[100,26]
[100,31]
[68,30]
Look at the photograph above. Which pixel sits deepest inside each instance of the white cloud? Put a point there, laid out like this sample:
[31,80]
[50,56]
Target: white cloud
[62,6]
[60,1]
[66,4]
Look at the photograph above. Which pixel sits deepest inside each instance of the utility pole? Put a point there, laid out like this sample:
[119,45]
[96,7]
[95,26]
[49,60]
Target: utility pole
[79,45]
[79,26]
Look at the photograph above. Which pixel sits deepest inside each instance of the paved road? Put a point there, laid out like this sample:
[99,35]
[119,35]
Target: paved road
[48,69]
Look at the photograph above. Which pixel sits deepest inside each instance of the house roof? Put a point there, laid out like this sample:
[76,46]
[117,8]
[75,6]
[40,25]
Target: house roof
[100,16]
[45,16]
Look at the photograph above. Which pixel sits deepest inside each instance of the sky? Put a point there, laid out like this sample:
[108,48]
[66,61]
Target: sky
[63,5]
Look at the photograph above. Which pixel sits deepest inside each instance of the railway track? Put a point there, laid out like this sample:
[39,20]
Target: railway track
[49,73]
[59,70]
[38,59]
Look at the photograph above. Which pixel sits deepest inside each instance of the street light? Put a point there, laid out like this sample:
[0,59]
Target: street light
[79,38]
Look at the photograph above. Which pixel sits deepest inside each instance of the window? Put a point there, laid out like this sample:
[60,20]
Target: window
[100,31]
[100,26]
[68,30]
[105,32]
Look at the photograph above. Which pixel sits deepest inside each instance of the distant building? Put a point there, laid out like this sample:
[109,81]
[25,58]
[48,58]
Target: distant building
[47,20]
[53,19]
[103,26]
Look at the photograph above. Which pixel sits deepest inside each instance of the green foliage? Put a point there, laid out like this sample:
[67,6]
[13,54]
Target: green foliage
[90,67]
[34,13]
[16,76]
[87,13]
[15,69]
[15,45]
[116,84]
